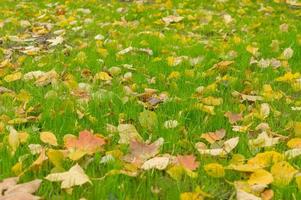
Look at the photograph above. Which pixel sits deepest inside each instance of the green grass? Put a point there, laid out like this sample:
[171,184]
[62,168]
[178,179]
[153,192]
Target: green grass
[213,41]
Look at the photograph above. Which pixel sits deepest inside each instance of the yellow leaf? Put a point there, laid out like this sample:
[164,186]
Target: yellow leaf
[13,139]
[48,138]
[244,167]
[23,136]
[294,143]
[17,121]
[283,173]
[197,194]
[215,170]
[212,101]
[103,76]
[297,129]
[17,168]
[127,133]
[191,196]
[56,157]
[13,77]
[176,172]
[174,75]
[288,77]
[260,176]
[266,159]
[252,50]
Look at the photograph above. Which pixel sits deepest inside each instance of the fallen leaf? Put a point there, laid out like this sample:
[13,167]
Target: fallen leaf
[128,133]
[283,173]
[10,190]
[48,138]
[215,170]
[227,147]
[74,177]
[263,140]
[159,163]
[86,143]
[267,194]
[188,161]
[212,137]
[13,77]
[260,176]
[148,119]
[233,117]
[294,143]
[140,151]
[103,76]
[242,195]
[172,19]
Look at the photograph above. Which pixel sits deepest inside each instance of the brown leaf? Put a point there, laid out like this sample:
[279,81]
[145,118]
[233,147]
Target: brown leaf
[140,151]
[233,117]
[212,137]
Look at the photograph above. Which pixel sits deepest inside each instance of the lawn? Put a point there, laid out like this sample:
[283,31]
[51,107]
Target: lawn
[154,99]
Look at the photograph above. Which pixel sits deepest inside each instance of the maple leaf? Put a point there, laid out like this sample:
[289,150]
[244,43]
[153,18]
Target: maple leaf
[212,137]
[10,190]
[74,177]
[86,143]
[188,161]
[140,151]
[233,117]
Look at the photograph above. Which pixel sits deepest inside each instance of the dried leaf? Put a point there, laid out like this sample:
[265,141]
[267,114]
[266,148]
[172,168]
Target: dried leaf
[128,133]
[86,143]
[159,163]
[48,138]
[74,177]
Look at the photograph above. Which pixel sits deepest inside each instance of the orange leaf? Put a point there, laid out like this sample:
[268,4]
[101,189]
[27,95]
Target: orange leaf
[188,161]
[87,143]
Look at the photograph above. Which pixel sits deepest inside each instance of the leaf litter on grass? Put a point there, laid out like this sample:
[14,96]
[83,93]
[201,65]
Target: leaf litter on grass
[202,95]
